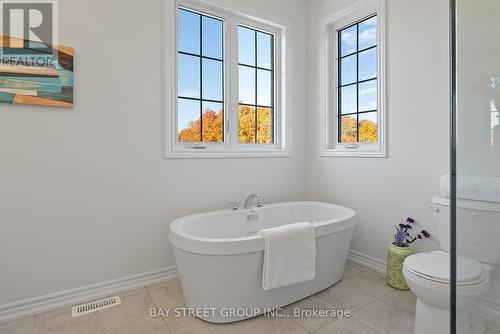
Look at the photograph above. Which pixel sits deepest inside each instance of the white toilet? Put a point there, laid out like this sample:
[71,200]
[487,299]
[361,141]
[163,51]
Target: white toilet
[428,274]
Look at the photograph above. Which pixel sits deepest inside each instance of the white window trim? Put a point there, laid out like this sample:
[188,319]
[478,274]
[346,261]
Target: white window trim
[233,14]
[329,147]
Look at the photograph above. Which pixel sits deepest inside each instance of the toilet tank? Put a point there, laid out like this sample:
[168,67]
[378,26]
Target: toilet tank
[478,228]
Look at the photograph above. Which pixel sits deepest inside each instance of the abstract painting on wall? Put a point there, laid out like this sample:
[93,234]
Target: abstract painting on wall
[35,76]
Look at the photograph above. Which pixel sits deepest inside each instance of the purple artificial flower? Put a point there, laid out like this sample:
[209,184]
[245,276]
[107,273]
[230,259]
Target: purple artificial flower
[402,237]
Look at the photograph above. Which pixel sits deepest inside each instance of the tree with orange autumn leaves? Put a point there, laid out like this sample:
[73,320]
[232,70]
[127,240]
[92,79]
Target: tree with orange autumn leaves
[213,127]
[212,123]
[368,131]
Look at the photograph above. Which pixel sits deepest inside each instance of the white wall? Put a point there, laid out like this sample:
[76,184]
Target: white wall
[86,194]
[382,190]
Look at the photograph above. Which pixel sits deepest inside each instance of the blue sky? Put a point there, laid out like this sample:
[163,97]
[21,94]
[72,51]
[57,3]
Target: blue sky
[246,46]
[189,66]
[189,110]
[212,71]
[247,86]
[367,36]
[248,41]
[367,66]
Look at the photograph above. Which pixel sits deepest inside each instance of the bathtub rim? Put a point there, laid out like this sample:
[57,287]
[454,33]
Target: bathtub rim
[254,243]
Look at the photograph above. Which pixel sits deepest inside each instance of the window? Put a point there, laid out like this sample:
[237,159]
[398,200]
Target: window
[229,102]
[256,85]
[200,102]
[357,89]
[354,84]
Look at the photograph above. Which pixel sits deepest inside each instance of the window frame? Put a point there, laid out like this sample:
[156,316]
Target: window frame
[278,111]
[329,81]
[256,68]
[223,17]
[233,15]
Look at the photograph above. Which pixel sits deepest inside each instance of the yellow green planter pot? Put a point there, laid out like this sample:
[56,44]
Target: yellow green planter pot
[395,257]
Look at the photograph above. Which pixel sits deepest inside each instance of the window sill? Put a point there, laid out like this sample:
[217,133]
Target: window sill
[354,153]
[226,154]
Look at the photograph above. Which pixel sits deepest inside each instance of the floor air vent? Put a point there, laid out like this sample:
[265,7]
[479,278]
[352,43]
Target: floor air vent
[95,306]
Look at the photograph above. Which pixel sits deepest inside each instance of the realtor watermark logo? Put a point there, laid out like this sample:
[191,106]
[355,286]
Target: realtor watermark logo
[28,27]
[247,312]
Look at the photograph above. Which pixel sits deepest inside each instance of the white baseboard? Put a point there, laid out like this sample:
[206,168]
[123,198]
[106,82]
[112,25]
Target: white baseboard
[367,261]
[83,294]
[87,293]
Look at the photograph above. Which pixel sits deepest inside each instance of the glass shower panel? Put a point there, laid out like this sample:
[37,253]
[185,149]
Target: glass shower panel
[477,195]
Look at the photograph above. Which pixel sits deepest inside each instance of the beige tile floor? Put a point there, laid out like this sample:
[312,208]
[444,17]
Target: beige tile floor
[376,309]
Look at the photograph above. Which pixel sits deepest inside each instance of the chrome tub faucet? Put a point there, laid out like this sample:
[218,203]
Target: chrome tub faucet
[250,201]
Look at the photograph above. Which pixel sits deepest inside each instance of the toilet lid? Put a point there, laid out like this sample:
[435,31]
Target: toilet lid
[436,265]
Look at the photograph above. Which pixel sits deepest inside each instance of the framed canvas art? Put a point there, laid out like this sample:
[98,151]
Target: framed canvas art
[36,76]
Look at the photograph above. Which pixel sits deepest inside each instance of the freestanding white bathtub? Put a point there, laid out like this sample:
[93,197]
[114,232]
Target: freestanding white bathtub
[219,257]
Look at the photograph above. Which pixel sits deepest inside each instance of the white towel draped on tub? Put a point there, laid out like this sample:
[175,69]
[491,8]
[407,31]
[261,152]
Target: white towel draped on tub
[289,255]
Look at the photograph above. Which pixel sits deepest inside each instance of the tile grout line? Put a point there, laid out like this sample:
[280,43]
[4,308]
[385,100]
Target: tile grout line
[398,310]
[380,299]
[352,316]
[99,321]
[328,324]
[323,299]
[332,307]
[366,323]
[295,322]
[156,305]
[377,299]
[355,309]
[327,304]
[355,288]
[352,286]
[412,314]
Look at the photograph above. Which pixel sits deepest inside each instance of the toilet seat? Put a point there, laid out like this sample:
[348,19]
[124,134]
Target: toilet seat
[435,266]
[428,276]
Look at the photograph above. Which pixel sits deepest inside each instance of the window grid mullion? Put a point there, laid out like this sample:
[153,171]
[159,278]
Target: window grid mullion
[272,89]
[257,67]
[353,53]
[223,66]
[201,78]
[254,105]
[361,112]
[358,82]
[339,87]
[256,89]
[265,70]
[195,55]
